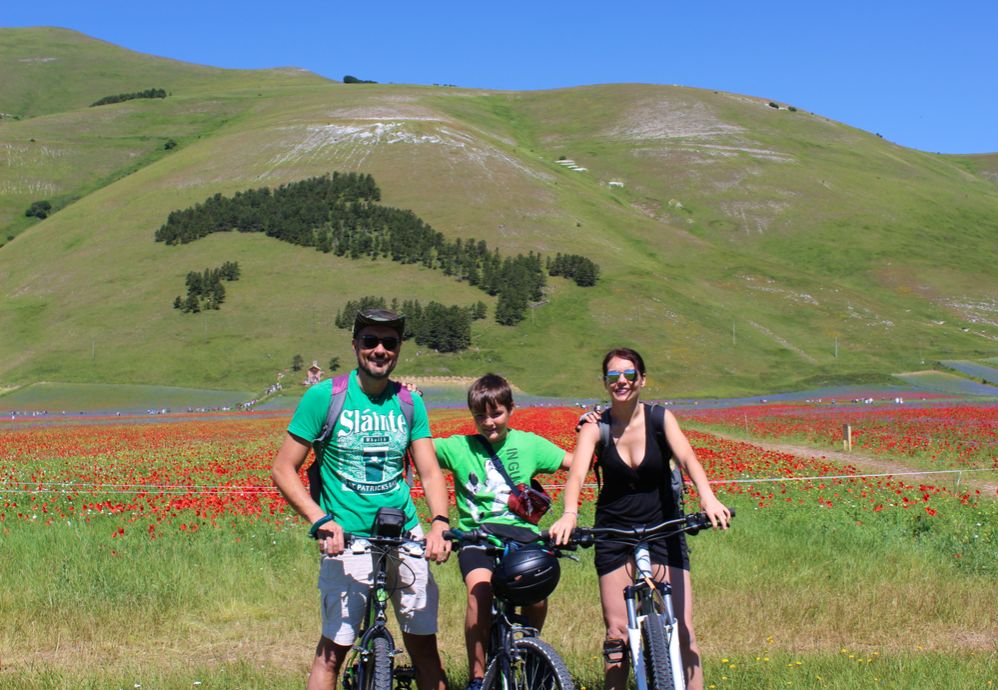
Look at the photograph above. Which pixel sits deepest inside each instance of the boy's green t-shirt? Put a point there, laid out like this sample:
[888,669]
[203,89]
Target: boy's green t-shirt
[362,463]
[481,491]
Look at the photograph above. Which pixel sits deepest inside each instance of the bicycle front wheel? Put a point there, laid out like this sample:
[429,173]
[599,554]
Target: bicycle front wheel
[378,667]
[535,665]
[658,663]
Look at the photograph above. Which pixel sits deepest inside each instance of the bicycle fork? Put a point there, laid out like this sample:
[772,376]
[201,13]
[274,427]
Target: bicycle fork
[640,602]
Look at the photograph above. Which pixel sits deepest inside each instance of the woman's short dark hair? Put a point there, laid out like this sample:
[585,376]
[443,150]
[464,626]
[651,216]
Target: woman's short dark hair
[628,354]
[490,390]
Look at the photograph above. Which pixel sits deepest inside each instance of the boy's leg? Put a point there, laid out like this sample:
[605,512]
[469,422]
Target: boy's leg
[536,613]
[477,619]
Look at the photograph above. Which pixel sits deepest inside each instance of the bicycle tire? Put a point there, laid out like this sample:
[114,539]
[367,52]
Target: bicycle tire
[658,663]
[535,666]
[378,668]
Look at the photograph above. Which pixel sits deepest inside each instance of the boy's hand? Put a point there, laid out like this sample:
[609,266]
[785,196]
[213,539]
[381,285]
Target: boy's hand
[412,388]
[561,530]
[590,417]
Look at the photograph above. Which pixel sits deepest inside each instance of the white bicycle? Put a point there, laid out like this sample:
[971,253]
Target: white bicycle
[652,635]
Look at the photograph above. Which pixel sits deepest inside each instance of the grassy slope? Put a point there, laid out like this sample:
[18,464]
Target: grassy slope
[745,242]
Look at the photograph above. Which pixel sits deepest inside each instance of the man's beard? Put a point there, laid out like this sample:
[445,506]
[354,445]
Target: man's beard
[363,364]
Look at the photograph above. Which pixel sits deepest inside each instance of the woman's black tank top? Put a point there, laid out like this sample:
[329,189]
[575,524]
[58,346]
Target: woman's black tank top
[639,495]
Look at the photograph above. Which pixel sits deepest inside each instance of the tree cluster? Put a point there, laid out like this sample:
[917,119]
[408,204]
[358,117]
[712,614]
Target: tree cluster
[339,214]
[118,98]
[583,271]
[350,79]
[436,326]
[39,209]
[205,290]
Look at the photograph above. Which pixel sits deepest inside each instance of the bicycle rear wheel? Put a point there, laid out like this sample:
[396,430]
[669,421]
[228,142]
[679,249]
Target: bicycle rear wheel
[535,666]
[658,663]
[378,667]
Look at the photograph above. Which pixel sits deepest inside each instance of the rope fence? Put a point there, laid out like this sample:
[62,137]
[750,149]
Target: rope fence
[183,489]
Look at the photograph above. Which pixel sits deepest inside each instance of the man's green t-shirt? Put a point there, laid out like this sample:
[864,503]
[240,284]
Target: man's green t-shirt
[482,493]
[362,463]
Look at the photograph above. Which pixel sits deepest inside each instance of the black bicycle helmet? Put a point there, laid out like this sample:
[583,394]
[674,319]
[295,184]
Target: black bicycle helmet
[526,575]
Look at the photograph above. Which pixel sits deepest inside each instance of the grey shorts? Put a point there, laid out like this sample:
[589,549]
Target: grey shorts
[345,582]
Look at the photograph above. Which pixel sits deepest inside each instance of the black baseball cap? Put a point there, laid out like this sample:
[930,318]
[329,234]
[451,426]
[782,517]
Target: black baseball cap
[379,317]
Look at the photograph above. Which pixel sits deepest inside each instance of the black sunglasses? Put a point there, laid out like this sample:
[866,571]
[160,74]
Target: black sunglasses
[369,342]
[613,376]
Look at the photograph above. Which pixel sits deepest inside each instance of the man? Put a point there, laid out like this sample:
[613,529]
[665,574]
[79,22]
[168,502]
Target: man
[361,470]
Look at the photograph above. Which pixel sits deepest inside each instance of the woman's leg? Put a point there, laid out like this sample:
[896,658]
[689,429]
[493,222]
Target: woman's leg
[682,603]
[615,654]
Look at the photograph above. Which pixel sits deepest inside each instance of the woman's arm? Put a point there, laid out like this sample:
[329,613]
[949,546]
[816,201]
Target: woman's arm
[719,515]
[585,444]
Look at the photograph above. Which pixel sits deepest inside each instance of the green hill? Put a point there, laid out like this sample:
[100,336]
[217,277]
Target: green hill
[743,248]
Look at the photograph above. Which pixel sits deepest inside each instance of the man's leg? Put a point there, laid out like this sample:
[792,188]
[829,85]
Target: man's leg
[329,658]
[426,660]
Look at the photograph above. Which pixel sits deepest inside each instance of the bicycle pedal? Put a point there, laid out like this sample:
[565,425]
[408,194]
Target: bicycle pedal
[404,677]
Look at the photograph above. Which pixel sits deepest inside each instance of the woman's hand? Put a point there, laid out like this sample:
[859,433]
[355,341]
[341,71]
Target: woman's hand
[561,530]
[718,513]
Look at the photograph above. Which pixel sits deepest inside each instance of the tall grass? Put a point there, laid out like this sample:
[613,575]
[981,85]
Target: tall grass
[789,597]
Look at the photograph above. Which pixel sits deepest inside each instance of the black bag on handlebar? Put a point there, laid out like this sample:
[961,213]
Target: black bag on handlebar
[389,522]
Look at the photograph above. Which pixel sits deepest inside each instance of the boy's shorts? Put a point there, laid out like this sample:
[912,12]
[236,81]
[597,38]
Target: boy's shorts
[473,557]
[345,583]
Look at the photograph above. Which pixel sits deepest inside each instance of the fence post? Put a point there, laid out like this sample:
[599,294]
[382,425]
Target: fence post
[847,437]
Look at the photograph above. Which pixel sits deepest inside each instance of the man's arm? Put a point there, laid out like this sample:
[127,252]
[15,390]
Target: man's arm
[284,471]
[432,479]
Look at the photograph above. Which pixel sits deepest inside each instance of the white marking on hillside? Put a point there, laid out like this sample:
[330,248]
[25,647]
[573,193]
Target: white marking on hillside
[868,317]
[351,145]
[670,118]
[984,312]
[770,286]
[37,59]
[783,342]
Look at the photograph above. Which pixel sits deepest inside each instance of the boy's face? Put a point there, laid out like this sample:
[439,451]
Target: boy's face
[493,422]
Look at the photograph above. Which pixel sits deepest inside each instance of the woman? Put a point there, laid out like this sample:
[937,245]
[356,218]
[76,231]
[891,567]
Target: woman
[636,491]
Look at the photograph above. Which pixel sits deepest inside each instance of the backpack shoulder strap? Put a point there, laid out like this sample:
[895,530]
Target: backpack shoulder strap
[336,400]
[405,402]
[675,472]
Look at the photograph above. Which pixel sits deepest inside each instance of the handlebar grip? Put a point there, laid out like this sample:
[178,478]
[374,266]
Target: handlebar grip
[730,510]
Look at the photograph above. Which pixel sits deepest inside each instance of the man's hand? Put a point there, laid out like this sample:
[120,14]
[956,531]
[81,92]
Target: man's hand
[590,417]
[330,538]
[437,548]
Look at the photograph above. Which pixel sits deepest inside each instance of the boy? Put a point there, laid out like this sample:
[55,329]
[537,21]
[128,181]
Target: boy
[482,494]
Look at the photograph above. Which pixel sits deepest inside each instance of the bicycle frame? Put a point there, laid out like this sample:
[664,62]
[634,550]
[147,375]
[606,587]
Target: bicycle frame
[375,622]
[639,599]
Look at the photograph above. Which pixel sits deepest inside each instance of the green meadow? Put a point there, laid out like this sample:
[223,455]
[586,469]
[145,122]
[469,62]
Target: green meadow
[789,597]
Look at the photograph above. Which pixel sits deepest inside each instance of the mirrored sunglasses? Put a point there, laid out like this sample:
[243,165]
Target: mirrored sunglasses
[614,375]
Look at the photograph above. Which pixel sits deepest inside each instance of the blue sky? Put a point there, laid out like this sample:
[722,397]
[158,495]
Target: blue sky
[924,75]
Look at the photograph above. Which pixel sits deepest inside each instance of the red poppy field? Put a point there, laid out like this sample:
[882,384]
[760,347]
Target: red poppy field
[933,436]
[152,530]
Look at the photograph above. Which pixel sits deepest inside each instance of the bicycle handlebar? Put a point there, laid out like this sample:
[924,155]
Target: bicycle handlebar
[690,524]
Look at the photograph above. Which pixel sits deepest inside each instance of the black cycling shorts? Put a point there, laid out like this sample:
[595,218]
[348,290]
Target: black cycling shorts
[671,551]
[473,557]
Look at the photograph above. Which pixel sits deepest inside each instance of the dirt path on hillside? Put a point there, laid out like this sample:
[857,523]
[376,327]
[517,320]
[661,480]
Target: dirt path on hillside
[867,464]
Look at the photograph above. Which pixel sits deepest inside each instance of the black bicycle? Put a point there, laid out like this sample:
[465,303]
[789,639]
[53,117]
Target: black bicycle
[371,665]
[527,571]
[652,636]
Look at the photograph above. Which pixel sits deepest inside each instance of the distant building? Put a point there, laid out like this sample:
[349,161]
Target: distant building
[314,374]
